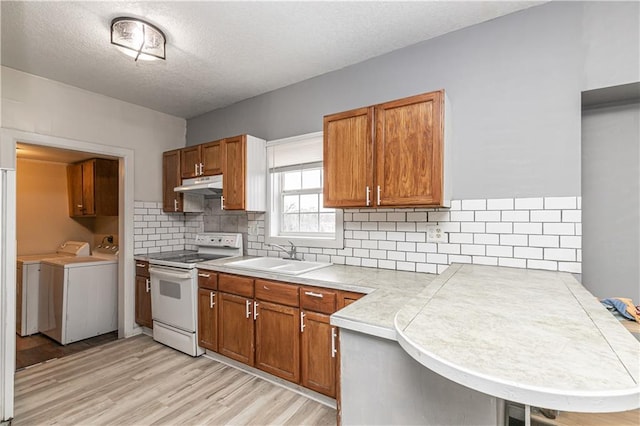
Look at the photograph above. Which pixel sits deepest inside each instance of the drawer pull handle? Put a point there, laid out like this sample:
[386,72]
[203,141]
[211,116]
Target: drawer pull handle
[302,315]
[333,342]
[265,287]
[141,265]
[255,310]
[248,307]
[312,294]
[148,285]
[204,275]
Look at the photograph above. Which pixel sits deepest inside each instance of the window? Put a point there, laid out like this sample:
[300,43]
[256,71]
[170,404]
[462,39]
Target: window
[296,178]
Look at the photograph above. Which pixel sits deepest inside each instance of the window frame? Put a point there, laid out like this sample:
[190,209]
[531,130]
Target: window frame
[322,241]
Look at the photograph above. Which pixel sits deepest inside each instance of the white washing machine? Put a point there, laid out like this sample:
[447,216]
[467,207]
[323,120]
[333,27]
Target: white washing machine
[28,281]
[79,296]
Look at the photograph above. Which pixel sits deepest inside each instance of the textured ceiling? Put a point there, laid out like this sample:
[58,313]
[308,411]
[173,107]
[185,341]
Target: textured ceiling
[219,53]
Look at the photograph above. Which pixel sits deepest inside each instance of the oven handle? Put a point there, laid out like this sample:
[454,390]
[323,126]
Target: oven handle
[170,273]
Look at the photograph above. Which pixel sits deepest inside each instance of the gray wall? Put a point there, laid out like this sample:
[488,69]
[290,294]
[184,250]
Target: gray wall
[611,201]
[514,84]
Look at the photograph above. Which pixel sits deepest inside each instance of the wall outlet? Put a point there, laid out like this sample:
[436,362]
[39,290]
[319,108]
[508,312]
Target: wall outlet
[435,234]
[253,229]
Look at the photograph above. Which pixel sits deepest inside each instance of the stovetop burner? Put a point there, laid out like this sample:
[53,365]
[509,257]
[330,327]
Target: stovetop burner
[193,257]
[211,246]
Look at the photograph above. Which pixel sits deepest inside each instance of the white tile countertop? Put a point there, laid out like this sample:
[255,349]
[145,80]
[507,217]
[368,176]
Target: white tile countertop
[534,337]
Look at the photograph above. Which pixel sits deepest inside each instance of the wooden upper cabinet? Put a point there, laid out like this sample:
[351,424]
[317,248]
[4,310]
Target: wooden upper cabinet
[387,155]
[93,188]
[409,151]
[233,169]
[190,162]
[171,201]
[211,154]
[348,158]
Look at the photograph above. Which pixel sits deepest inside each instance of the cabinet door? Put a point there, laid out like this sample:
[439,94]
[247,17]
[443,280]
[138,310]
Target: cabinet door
[212,158]
[348,159]
[409,150]
[278,340]
[88,185]
[318,353]
[143,302]
[236,327]
[207,319]
[234,166]
[171,200]
[190,162]
[105,187]
[74,183]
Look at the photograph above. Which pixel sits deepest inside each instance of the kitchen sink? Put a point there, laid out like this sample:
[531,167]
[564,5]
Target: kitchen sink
[278,265]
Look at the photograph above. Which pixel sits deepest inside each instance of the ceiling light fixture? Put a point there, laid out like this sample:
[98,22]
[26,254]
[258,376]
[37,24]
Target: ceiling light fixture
[138,39]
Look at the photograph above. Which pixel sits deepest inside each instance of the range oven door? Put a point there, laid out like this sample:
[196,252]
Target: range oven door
[174,297]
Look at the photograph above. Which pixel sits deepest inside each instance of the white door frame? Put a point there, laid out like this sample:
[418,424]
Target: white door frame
[126,272]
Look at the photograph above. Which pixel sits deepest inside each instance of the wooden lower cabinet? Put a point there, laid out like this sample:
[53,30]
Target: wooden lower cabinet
[318,353]
[278,340]
[236,327]
[207,319]
[143,301]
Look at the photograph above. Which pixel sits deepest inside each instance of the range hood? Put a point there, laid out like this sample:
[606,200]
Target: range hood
[206,185]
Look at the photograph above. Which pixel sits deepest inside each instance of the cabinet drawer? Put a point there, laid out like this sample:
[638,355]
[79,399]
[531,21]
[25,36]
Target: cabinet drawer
[347,298]
[318,299]
[142,268]
[272,291]
[234,284]
[207,279]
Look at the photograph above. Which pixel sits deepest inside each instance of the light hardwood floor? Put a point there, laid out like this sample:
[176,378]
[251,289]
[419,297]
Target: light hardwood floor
[137,381]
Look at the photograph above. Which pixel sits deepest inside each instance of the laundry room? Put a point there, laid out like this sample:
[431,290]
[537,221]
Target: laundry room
[66,233]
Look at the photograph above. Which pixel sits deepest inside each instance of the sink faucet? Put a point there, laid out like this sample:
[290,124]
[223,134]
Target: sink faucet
[292,252]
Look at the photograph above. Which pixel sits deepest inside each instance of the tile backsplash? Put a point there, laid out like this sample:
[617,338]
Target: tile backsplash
[535,233]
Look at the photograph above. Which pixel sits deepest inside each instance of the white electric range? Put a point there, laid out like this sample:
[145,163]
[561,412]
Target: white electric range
[174,289]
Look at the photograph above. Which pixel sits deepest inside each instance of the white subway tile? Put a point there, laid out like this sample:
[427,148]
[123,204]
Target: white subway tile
[483,260]
[149,204]
[347,216]
[545,216]
[499,228]
[345,252]
[348,234]
[451,226]
[488,216]
[529,204]
[578,228]
[352,226]
[375,254]
[473,227]
[353,261]
[573,267]
[396,255]
[542,264]
[439,216]
[370,244]
[572,216]
[387,264]
[402,246]
[361,217]
[560,203]
[387,245]
[378,217]
[449,248]
[406,226]
[486,239]
[395,236]
[442,268]
[570,241]
[474,204]
[377,235]
[455,205]
[500,204]
[323,258]
[428,268]
[137,204]
[396,217]
[427,247]
[418,237]
[437,258]
[500,251]
[579,202]
[338,260]
[417,217]
[361,253]
[512,263]
[472,249]
[386,226]
[369,263]
[528,252]
[559,229]
[369,226]
[567,255]
[527,228]
[515,216]
[406,266]
[455,258]
[360,235]
[463,238]
[353,243]
[416,257]
[552,241]
[462,216]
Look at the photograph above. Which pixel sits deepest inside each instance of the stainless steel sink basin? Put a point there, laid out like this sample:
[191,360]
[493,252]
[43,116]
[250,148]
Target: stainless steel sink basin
[278,265]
